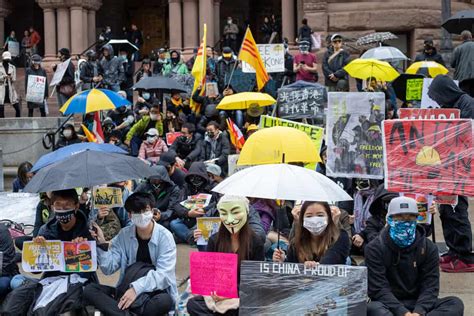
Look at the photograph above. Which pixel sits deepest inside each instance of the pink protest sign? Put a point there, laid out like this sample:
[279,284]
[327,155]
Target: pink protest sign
[214,272]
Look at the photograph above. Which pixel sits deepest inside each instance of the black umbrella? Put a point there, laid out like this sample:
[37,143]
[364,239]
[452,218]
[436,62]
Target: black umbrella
[159,83]
[462,20]
[400,85]
[88,169]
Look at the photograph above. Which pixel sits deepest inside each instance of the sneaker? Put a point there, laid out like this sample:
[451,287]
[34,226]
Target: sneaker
[457,266]
[446,259]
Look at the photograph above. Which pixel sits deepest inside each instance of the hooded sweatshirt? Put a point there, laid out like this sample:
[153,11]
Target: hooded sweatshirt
[447,94]
[111,67]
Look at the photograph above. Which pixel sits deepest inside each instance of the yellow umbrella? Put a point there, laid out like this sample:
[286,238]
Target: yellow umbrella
[278,144]
[366,68]
[427,67]
[243,100]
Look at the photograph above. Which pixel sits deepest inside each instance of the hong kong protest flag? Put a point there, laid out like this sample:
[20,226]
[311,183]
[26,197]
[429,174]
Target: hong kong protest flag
[250,54]
[199,71]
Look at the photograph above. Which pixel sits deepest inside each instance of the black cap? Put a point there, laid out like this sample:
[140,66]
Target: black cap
[227,50]
[65,52]
[428,43]
[36,58]
[167,158]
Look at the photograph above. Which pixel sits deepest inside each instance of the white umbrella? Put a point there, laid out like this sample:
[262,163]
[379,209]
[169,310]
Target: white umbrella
[386,53]
[283,182]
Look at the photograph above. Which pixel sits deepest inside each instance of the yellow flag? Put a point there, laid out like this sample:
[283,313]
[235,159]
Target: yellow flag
[250,54]
[199,71]
[90,137]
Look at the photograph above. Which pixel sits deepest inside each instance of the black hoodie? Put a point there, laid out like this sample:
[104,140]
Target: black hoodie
[447,94]
[397,274]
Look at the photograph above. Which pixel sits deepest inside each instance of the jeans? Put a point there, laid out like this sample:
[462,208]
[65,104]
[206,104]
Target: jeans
[4,285]
[135,144]
[238,116]
[450,305]
[179,228]
[61,99]
[18,280]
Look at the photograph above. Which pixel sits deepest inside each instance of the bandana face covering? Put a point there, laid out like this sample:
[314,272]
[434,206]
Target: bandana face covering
[64,216]
[315,225]
[402,233]
[233,215]
[142,220]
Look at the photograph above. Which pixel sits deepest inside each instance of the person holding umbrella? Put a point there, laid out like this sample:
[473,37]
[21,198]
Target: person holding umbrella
[429,53]
[463,57]
[134,137]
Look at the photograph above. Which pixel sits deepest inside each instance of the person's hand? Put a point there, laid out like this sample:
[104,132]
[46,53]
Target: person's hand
[433,209]
[197,234]
[127,299]
[156,214]
[217,298]
[197,212]
[415,314]
[39,240]
[97,233]
[331,76]
[336,214]
[79,239]
[357,240]
[126,142]
[103,212]
[84,198]
[278,255]
[310,264]
[296,212]
[140,100]
[180,162]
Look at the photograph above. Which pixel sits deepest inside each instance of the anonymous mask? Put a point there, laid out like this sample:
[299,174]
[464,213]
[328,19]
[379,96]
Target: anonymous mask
[233,215]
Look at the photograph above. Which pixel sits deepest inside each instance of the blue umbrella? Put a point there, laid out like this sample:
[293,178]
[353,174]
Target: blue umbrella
[74,149]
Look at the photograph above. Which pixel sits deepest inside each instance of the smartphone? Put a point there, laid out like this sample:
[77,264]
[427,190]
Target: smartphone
[302,62]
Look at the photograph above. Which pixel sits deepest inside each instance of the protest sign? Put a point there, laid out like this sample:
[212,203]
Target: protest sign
[232,163]
[414,89]
[14,48]
[429,114]
[35,89]
[171,137]
[429,156]
[426,101]
[271,288]
[200,200]
[55,255]
[273,57]
[354,136]
[213,272]
[423,202]
[211,89]
[297,103]
[59,73]
[208,226]
[108,197]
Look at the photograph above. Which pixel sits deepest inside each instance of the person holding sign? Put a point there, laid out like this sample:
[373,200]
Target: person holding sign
[234,236]
[8,92]
[403,268]
[318,240]
[145,254]
[66,87]
[36,86]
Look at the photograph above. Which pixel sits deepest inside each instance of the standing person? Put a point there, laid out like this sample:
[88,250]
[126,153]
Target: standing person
[89,74]
[10,38]
[35,39]
[67,87]
[128,71]
[429,53]
[231,30]
[211,65]
[463,63]
[176,65]
[8,94]
[305,64]
[267,30]
[111,69]
[37,70]
[225,65]
[304,33]
[24,175]
[335,59]
[152,148]
[403,268]
[161,62]
[26,46]
[216,146]
[136,38]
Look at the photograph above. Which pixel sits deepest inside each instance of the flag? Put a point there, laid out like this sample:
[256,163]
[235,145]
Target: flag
[250,54]
[90,137]
[199,72]
[97,129]
[236,136]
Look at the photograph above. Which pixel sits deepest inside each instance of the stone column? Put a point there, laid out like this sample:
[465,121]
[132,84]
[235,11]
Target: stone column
[50,49]
[77,42]
[176,30]
[64,28]
[288,19]
[85,32]
[91,30]
[206,15]
[190,24]
[2,31]
[5,9]
[217,21]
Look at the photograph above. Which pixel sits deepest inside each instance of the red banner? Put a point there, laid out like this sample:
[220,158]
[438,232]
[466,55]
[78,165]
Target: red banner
[429,156]
[429,114]
[171,137]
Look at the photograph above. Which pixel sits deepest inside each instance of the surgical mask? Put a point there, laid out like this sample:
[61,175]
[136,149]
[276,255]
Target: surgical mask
[196,181]
[146,95]
[153,117]
[64,216]
[315,225]
[124,58]
[151,139]
[402,233]
[67,133]
[143,219]
[229,21]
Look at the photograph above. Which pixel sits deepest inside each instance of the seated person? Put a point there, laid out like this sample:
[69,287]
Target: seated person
[169,161]
[403,268]
[68,136]
[166,195]
[216,146]
[145,254]
[318,239]
[177,105]
[122,117]
[9,267]
[188,146]
[172,123]
[152,148]
[235,235]
[135,135]
[24,176]
[214,172]
[142,106]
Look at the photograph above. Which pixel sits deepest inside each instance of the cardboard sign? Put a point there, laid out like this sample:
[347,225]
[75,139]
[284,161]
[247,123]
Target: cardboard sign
[213,272]
[354,135]
[59,73]
[271,288]
[429,114]
[200,200]
[208,226]
[232,163]
[171,137]
[428,156]
[108,197]
[414,89]
[426,101]
[35,89]
[300,103]
[55,255]
[273,57]
[14,48]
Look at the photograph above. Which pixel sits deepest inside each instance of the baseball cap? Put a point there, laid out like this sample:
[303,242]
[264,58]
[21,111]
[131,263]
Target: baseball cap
[213,169]
[167,158]
[6,56]
[336,36]
[152,132]
[227,52]
[252,127]
[402,205]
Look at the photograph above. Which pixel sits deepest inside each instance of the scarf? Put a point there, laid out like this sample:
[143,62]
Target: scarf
[361,208]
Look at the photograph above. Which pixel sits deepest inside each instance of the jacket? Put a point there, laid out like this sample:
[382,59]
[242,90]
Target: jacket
[37,72]
[152,152]
[223,70]
[43,215]
[11,84]
[123,253]
[219,148]
[446,93]
[111,68]
[188,150]
[180,68]
[304,33]
[140,128]
[398,274]
[434,56]
[336,65]
[463,61]
[204,101]
[9,267]
[88,71]
[129,70]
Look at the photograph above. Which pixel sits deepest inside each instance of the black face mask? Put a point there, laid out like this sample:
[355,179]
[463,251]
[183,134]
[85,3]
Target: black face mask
[122,109]
[210,134]
[157,187]
[196,181]
[65,217]
[175,60]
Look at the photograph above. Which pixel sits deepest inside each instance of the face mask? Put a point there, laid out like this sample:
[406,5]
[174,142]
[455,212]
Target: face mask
[124,58]
[229,21]
[402,233]
[64,216]
[315,225]
[146,95]
[67,133]
[210,134]
[174,60]
[153,117]
[142,220]
[233,215]
[157,187]
[151,139]
[304,49]
[122,109]
[196,181]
